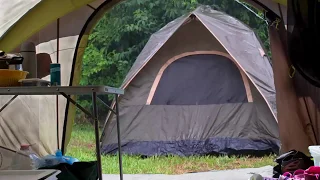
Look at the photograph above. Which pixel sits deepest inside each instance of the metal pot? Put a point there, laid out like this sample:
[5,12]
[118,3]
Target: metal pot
[3,64]
[15,63]
[11,61]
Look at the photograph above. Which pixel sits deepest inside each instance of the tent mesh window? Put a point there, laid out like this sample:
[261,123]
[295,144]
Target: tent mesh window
[200,80]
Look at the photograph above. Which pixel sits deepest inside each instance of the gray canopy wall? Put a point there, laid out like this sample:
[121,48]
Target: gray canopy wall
[201,85]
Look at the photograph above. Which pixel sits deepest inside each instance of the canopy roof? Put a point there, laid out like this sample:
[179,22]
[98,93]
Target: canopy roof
[20,19]
[26,17]
[270,5]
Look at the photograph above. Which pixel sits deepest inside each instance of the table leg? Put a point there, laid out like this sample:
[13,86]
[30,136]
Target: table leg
[96,129]
[119,138]
[76,104]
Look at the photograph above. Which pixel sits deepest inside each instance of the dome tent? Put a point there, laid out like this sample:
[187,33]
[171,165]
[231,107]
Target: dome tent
[201,85]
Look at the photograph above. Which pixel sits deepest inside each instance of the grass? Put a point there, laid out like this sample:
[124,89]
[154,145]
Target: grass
[82,146]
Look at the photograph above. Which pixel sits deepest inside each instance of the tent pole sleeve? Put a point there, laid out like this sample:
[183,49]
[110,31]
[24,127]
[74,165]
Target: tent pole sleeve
[8,103]
[96,130]
[119,138]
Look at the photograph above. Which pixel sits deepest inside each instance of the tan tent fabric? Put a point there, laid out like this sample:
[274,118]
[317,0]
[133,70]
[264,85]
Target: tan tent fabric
[36,120]
[12,11]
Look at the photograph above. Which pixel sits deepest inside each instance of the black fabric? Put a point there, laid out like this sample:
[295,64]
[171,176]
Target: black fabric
[77,171]
[305,89]
[225,146]
[304,38]
[290,162]
[200,80]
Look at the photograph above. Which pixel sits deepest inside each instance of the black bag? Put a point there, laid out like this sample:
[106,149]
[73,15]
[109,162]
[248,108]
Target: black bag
[290,162]
[304,38]
[77,171]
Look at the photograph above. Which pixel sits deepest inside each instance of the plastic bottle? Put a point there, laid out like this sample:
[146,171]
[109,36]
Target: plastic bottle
[49,160]
[315,153]
[58,158]
[24,159]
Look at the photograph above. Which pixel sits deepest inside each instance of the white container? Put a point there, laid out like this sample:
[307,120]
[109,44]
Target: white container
[315,153]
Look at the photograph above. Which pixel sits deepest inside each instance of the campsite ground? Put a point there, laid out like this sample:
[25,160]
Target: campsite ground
[82,147]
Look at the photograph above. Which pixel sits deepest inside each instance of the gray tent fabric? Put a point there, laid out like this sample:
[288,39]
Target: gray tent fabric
[232,34]
[189,82]
[205,52]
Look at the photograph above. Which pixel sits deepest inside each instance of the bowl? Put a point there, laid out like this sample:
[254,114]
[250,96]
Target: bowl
[9,78]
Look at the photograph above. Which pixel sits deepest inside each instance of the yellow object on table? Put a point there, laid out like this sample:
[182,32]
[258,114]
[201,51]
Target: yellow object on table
[9,78]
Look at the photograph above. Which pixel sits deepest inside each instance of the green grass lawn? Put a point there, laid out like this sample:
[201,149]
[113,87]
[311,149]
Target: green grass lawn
[82,146]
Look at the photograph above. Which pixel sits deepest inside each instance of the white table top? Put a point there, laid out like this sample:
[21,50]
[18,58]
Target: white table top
[27,174]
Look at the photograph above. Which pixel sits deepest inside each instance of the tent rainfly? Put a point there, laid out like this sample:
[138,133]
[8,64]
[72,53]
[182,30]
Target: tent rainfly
[201,85]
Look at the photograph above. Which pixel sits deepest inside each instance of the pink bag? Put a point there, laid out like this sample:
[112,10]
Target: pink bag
[297,175]
[313,173]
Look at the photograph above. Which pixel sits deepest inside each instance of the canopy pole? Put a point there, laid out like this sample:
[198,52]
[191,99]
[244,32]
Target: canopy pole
[57,97]
[96,133]
[58,35]
[119,137]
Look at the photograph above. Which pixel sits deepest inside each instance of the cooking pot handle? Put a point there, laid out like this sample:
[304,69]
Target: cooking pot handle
[15,60]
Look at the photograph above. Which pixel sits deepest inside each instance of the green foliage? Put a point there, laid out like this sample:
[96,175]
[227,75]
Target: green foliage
[122,32]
